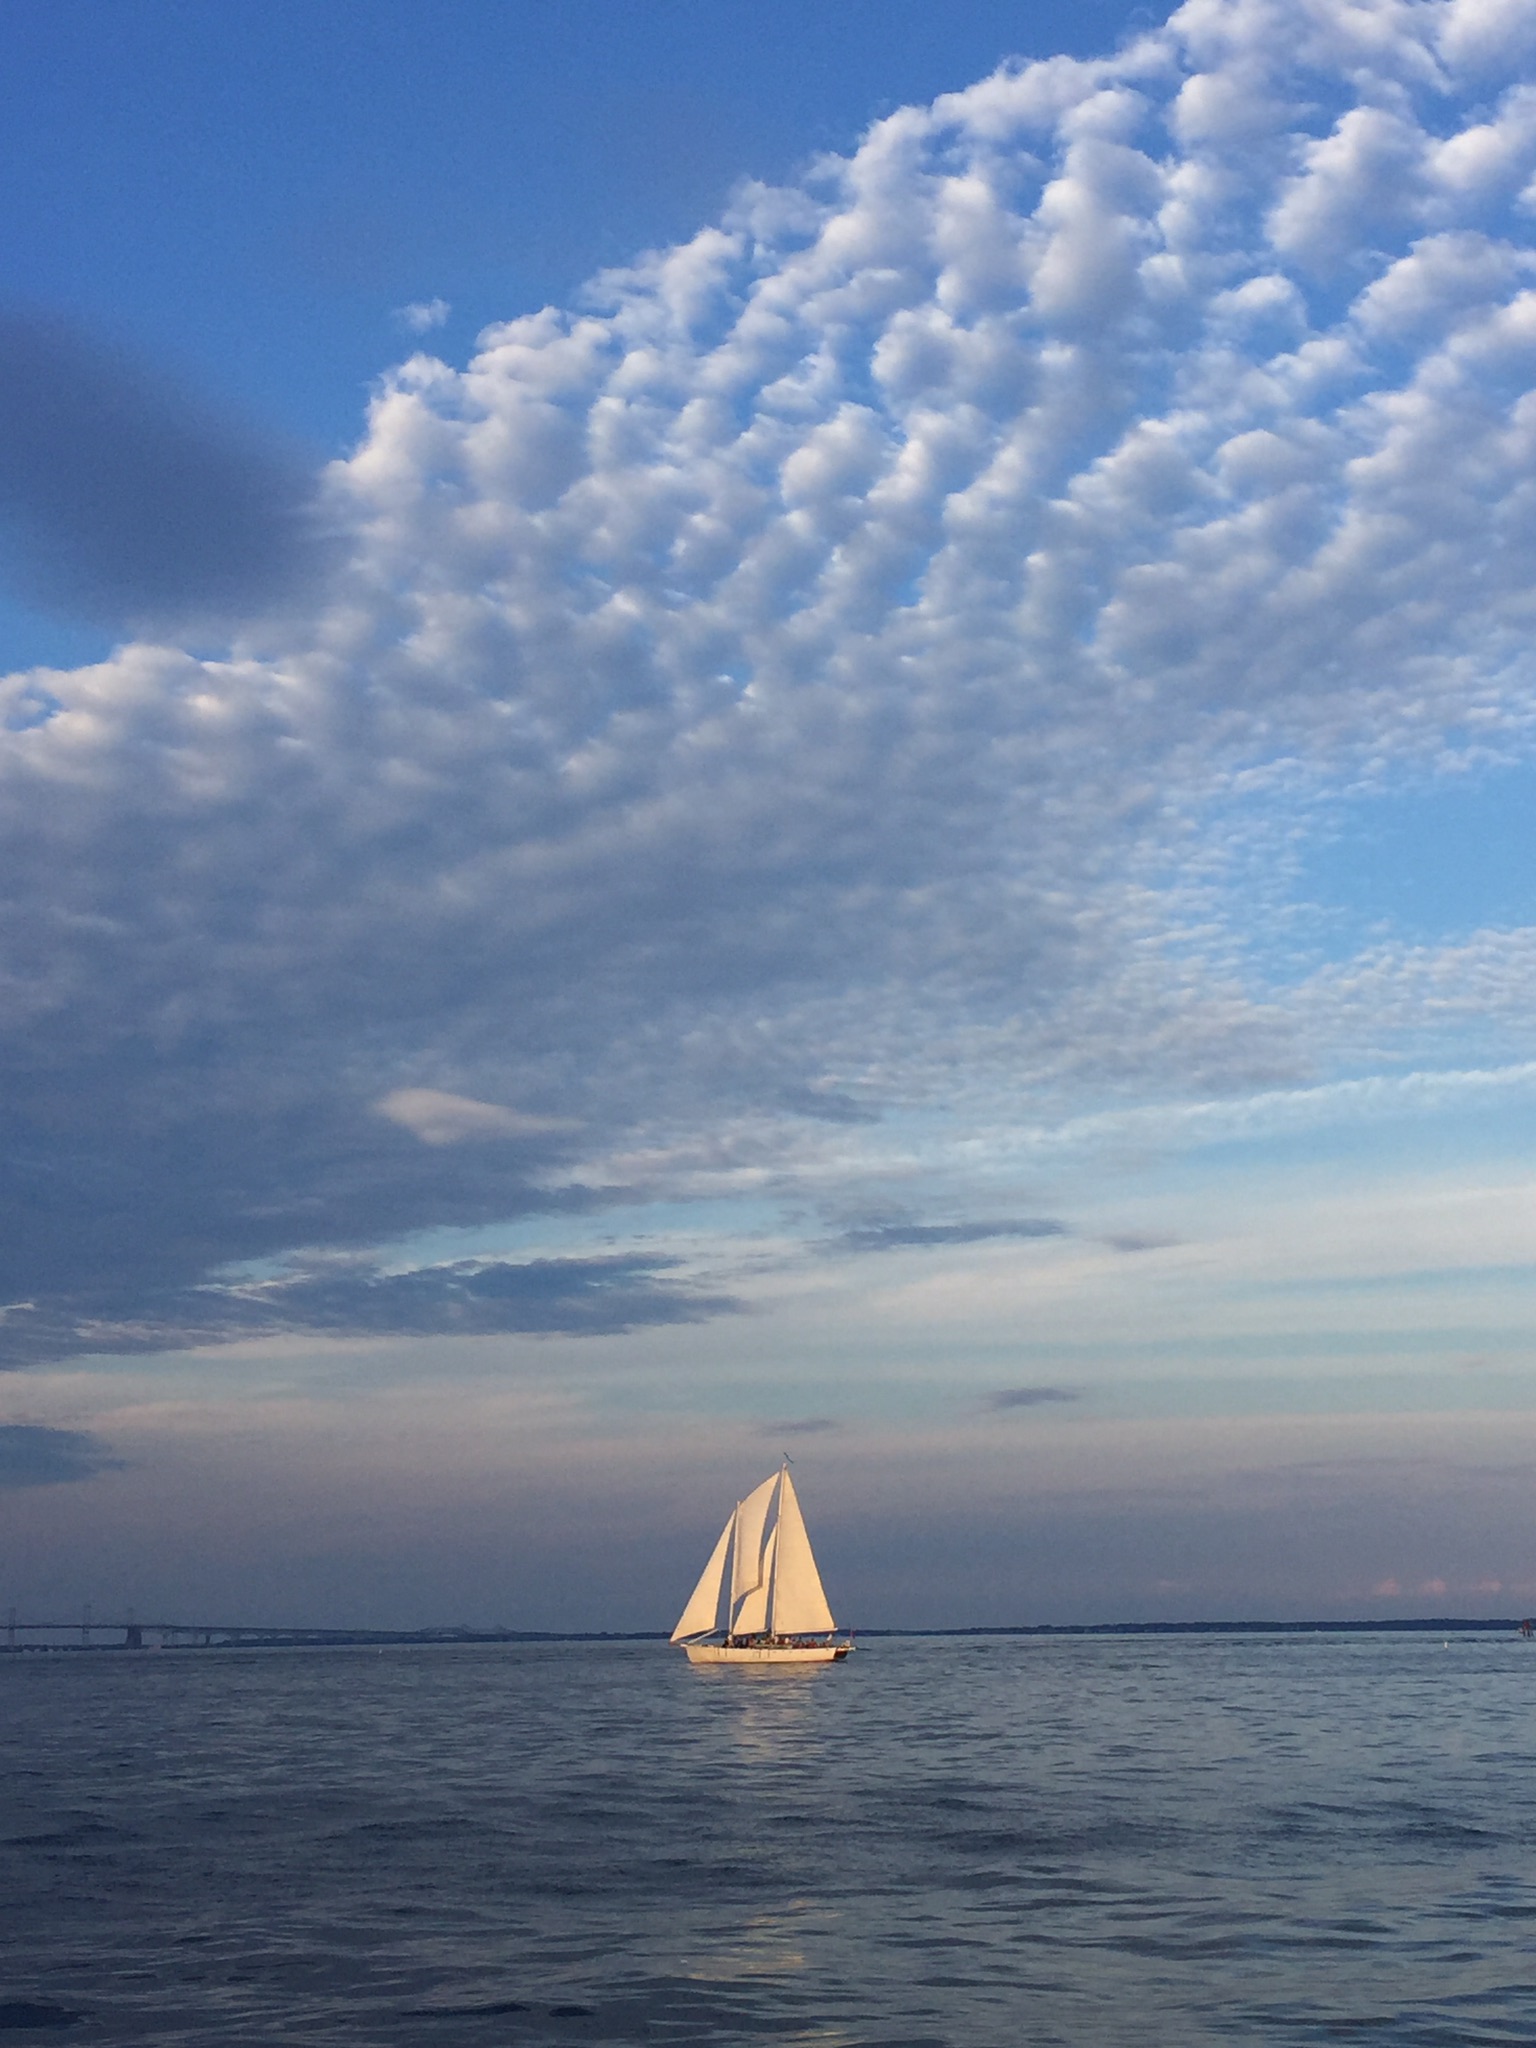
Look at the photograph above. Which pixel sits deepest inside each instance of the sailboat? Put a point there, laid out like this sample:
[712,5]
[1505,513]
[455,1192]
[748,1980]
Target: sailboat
[760,1599]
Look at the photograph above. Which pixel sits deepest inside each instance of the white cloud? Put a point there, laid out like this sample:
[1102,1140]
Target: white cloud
[422,315]
[438,1118]
[776,690]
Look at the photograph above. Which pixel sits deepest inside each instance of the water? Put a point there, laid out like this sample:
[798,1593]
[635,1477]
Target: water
[1014,1842]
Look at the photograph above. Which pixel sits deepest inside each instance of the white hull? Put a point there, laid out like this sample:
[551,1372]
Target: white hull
[766,1653]
[760,1599]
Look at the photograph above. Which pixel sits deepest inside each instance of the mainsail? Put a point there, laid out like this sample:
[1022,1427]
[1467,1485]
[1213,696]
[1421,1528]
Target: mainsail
[798,1606]
[761,1578]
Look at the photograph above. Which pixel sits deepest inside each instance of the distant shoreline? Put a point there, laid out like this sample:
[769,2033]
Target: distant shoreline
[187,1636]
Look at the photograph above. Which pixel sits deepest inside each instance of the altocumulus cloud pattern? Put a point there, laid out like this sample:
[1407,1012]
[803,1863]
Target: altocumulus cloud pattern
[779,692]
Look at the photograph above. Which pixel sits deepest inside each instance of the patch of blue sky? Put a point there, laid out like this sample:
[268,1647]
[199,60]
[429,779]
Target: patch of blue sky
[1348,1132]
[1118,1364]
[1421,1280]
[1389,1129]
[1298,880]
[1433,861]
[663,1226]
[254,191]
[30,638]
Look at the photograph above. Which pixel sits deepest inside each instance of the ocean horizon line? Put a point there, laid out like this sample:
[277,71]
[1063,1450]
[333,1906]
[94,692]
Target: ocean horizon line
[250,1636]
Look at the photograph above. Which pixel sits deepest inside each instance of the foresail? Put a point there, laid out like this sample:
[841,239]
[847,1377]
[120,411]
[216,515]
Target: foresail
[799,1603]
[749,1554]
[705,1609]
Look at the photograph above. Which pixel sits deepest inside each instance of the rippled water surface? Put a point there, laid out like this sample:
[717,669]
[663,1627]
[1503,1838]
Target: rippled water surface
[1090,1841]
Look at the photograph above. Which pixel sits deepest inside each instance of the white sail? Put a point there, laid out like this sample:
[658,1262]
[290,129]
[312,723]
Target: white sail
[761,1579]
[706,1605]
[749,1556]
[799,1605]
[753,1609]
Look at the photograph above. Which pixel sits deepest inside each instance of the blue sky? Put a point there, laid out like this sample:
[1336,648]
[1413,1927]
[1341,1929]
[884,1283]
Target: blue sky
[247,196]
[731,732]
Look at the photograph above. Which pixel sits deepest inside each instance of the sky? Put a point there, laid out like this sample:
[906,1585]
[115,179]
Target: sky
[736,731]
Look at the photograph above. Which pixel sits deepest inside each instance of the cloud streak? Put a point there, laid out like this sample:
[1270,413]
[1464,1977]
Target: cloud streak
[32,1454]
[881,1237]
[349,1298]
[778,693]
